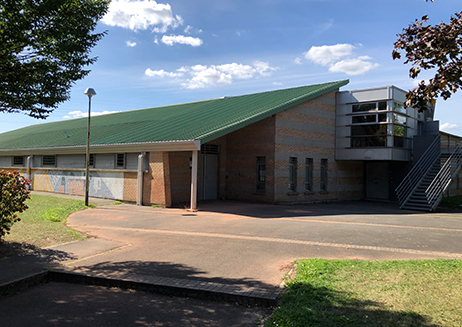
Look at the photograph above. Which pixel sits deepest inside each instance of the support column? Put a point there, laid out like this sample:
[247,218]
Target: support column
[139,194]
[194,180]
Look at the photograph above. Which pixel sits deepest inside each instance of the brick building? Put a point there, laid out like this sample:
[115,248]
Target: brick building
[305,144]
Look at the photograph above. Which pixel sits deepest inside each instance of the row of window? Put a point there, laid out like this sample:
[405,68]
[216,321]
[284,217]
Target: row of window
[50,160]
[371,129]
[261,174]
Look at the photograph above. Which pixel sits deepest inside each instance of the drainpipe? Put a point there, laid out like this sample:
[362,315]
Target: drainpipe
[29,171]
[139,195]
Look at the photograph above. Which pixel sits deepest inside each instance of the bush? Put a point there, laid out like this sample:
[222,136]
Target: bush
[13,195]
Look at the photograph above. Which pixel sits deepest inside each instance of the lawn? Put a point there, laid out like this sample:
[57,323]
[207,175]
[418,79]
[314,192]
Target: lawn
[43,224]
[372,293]
[453,202]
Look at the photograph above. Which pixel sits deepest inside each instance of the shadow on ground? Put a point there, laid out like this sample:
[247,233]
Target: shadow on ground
[60,304]
[12,249]
[264,210]
[164,269]
[307,305]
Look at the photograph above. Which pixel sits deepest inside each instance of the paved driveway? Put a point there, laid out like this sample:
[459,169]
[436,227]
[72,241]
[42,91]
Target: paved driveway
[254,244]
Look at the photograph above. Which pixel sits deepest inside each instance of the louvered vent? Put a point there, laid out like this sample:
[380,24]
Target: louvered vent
[210,149]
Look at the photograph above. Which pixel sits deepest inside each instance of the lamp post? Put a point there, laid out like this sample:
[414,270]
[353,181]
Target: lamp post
[90,92]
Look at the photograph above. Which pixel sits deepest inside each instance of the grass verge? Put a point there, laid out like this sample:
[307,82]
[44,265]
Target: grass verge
[372,293]
[453,202]
[43,224]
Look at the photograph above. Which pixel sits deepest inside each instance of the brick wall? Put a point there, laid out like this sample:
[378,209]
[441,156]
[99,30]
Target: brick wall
[238,161]
[180,177]
[156,186]
[308,131]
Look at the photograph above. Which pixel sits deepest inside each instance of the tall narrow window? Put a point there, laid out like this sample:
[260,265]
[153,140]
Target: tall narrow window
[324,175]
[120,160]
[293,174]
[261,174]
[309,174]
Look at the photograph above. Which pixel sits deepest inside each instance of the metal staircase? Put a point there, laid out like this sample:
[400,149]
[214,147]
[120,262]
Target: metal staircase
[423,188]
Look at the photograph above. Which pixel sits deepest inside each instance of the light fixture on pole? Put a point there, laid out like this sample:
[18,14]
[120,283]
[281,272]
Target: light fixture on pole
[90,92]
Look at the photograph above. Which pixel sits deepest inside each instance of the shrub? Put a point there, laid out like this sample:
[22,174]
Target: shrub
[13,194]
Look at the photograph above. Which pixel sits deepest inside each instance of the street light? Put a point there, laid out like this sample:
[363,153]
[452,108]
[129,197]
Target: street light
[90,92]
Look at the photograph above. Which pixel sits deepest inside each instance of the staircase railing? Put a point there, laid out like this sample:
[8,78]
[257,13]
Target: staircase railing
[444,178]
[420,169]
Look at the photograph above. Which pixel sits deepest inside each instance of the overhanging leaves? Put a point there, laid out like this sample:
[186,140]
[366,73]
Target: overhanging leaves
[45,46]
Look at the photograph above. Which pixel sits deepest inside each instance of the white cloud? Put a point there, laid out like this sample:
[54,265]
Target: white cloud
[161,73]
[263,68]
[141,15]
[357,66]
[188,29]
[448,127]
[200,76]
[181,39]
[130,44]
[277,83]
[298,61]
[80,114]
[328,54]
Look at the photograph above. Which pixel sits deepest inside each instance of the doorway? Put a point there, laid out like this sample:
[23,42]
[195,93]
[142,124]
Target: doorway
[377,180]
[209,177]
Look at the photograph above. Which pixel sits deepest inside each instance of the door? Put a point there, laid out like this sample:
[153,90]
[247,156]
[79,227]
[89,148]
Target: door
[377,180]
[209,177]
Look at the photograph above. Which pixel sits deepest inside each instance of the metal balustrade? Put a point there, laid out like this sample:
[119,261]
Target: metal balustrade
[444,178]
[425,164]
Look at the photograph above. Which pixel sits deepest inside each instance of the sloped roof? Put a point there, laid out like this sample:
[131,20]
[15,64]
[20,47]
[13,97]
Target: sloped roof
[204,121]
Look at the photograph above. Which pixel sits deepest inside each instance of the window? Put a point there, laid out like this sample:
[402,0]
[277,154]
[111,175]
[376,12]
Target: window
[120,160]
[323,175]
[18,161]
[91,160]
[369,135]
[49,160]
[293,174]
[382,105]
[261,174]
[309,174]
[398,107]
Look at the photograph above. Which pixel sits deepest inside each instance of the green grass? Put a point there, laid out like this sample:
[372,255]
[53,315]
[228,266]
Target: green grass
[43,224]
[454,202]
[372,293]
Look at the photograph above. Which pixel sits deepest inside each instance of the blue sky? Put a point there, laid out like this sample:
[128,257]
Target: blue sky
[160,53]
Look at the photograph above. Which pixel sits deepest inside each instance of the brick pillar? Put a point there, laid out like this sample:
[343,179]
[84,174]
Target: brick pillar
[156,188]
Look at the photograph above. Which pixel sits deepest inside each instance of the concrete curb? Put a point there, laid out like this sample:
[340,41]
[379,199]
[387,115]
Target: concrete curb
[249,296]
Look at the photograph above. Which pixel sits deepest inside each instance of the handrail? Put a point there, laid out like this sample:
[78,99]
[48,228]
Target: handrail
[420,169]
[444,178]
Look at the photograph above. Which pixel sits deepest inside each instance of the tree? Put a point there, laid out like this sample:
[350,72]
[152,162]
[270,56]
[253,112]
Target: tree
[432,47]
[44,47]
[13,194]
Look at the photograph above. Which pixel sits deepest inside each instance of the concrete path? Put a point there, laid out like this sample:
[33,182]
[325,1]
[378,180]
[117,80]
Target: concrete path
[227,251]
[254,244]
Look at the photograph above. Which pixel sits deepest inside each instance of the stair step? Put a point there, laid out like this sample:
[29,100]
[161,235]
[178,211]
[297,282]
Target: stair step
[417,208]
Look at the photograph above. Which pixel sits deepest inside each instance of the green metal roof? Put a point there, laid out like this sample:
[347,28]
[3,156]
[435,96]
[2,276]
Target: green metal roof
[204,121]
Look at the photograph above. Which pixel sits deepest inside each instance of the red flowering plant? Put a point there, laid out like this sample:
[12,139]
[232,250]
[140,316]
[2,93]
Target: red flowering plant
[13,195]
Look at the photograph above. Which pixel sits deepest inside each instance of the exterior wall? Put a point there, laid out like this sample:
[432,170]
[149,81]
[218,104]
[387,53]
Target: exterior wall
[308,131]
[69,176]
[238,161]
[180,176]
[156,186]
[110,185]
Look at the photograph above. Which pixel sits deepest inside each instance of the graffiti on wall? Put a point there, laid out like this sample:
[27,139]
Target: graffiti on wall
[102,184]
